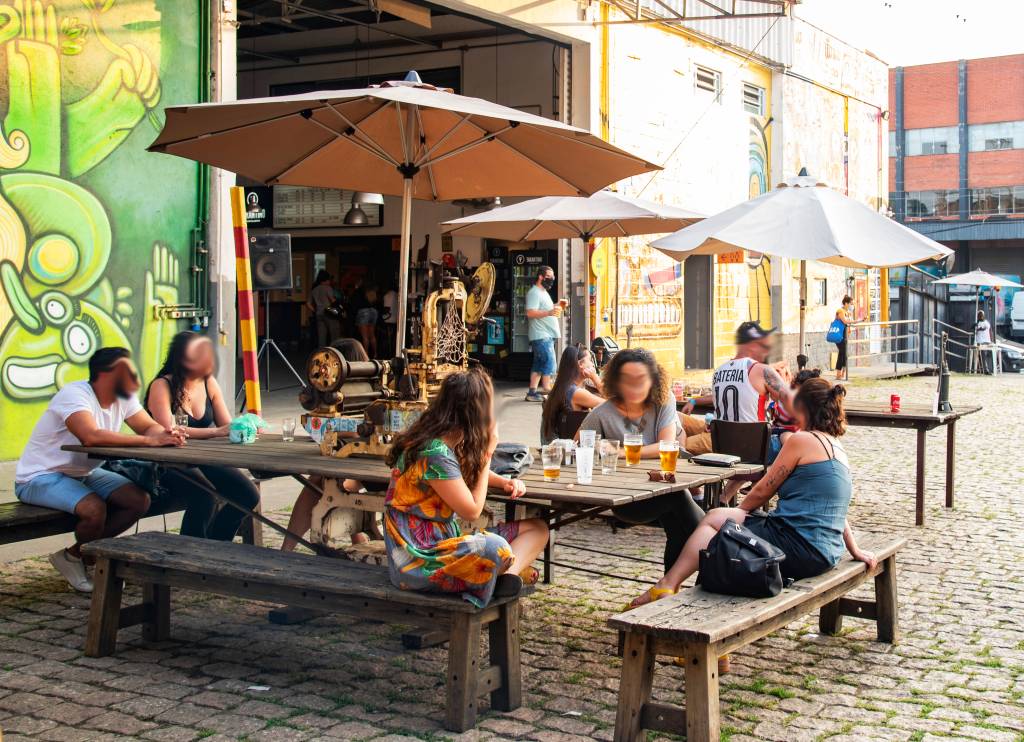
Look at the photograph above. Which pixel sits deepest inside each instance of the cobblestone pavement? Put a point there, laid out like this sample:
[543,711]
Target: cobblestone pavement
[958,672]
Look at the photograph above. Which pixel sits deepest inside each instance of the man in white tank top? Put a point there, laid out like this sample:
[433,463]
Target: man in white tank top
[741,387]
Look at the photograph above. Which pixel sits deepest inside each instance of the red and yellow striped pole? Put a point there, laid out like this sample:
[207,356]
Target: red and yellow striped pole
[246,311]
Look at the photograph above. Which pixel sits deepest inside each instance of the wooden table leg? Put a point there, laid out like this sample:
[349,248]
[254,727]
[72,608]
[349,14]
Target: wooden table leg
[830,620]
[105,611]
[887,603]
[504,644]
[635,683]
[702,710]
[919,487]
[549,547]
[950,461]
[157,624]
[463,670]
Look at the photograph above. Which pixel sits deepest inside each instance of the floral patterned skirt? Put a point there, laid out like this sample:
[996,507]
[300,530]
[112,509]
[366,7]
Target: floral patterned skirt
[468,564]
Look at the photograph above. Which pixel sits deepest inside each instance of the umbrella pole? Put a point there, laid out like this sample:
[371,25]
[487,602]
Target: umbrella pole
[803,303]
[403,266]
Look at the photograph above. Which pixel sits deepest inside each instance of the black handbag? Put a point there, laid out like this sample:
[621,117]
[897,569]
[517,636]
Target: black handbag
[737,562]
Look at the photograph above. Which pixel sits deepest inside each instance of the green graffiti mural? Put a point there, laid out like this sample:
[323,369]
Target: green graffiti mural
[94,232]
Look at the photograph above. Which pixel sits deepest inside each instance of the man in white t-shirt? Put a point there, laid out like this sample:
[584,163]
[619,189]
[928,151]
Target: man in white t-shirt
[91,413]
[983,343]
[542,325]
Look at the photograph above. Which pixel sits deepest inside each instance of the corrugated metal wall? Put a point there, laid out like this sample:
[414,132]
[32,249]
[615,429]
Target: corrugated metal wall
[769,38]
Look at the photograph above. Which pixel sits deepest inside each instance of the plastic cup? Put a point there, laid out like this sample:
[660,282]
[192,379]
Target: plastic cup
[288,429]
[668,452]
[584,465]
[551,458]
[633,444]
[609,456]
[588,438]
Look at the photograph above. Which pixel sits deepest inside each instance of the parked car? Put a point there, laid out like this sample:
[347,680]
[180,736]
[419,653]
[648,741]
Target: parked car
[1017,316]
[1012,356]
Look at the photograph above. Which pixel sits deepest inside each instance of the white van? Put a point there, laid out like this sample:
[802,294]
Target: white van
[1017,316]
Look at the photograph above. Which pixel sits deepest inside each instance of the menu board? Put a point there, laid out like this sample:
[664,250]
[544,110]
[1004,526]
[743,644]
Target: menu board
[298,207]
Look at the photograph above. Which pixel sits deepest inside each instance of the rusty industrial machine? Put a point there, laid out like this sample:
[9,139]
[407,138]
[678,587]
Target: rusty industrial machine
[357,407]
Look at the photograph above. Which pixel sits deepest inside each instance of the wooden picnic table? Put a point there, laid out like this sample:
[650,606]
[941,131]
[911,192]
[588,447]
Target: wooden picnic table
[912,416]
[919,417]
[561,503]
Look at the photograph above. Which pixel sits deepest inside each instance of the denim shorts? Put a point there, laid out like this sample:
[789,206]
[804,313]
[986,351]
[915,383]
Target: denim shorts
[543,357]
[61,492]
[802,559]
[366,316]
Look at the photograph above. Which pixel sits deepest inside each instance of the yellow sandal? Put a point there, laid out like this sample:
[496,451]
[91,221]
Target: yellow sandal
[654,594]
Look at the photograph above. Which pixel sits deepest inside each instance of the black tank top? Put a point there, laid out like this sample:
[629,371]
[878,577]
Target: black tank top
[207,420]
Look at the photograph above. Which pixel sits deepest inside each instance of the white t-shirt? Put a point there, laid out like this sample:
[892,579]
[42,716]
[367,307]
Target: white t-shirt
[43,454]
[981,333]
[390,302]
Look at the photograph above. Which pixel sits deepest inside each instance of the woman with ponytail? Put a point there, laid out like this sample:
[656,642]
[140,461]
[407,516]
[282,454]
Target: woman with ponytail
[811,476]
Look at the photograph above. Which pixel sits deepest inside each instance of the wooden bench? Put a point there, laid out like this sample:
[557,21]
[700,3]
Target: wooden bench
[158,562]
[20,522]
[699,627]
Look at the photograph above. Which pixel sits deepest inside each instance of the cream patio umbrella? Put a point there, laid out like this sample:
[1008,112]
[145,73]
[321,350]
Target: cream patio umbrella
[604,214]
[399,138]
[980,280]
[803,219]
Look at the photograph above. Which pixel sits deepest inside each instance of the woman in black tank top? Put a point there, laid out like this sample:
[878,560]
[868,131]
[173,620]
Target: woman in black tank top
[186,384]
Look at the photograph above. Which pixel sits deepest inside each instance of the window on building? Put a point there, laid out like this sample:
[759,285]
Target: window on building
[938,141]
[892,144]
[821,291]
[997,200]
[753,99]
[708,79]
[932,204]
[1004,135]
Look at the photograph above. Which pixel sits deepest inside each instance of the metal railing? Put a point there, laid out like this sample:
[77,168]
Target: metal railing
[885,341]
[957,336]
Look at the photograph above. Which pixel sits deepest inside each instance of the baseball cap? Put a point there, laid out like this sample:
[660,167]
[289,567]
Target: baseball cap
[748,332]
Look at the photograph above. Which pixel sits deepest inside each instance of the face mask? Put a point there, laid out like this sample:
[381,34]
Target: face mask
[547,282]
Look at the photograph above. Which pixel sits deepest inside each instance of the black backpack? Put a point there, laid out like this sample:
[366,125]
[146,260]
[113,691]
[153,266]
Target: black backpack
[737,562]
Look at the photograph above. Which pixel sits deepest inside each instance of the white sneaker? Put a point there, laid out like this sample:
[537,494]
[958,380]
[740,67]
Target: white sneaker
[72,569]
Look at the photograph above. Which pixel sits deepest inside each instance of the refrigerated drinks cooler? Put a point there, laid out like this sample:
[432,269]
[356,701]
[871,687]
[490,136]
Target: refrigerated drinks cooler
[524,265]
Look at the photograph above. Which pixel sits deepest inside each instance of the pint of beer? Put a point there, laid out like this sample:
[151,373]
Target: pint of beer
[551,457]
[668,451]
[633,444]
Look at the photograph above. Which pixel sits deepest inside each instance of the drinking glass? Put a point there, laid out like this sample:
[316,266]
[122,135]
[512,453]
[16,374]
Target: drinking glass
[609,456]
[632,443]
[181,419]
[584,465]
[288,429]
[668,452]
[588,438]
[551,457]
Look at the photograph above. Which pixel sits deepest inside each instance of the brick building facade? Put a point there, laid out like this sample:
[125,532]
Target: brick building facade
[956,171]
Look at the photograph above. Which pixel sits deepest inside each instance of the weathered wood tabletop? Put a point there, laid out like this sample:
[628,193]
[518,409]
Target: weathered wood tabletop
[302,457]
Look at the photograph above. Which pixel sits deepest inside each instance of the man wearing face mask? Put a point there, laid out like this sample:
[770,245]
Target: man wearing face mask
[542,319]
[91,413]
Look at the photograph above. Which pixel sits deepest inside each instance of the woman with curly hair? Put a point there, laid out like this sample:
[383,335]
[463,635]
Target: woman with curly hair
[639,403]
[440,471]
[811,476]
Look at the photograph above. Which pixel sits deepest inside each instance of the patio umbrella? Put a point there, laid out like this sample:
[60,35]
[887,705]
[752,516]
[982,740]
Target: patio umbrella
[980,279]
[604,214]
[403,138]
[803,219]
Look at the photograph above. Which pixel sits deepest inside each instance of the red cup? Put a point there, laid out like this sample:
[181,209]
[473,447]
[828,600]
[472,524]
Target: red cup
[894,402]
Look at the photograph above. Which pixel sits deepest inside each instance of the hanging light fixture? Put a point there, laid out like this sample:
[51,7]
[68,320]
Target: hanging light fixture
[356,217]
